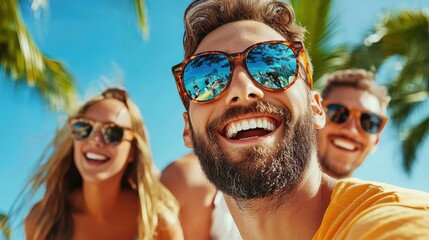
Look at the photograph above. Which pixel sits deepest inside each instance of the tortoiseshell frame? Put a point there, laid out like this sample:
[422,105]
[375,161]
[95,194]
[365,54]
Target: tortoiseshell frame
[236,59]
[357,113]
[129,134]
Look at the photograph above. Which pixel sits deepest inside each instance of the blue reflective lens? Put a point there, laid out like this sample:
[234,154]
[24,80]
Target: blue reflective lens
[272,65]
[206,76]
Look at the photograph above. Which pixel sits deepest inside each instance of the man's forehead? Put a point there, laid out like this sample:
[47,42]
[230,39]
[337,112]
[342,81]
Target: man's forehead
[357,98]
[237,36]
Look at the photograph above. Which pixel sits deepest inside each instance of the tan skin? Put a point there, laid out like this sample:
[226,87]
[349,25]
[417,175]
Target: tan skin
[101,208]
[185,179]
[338,161]
[291,220]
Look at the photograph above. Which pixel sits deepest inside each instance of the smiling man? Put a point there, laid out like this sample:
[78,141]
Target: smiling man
[355,107]
[255,137]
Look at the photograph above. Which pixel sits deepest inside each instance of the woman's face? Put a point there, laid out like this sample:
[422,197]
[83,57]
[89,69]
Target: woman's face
[96,160]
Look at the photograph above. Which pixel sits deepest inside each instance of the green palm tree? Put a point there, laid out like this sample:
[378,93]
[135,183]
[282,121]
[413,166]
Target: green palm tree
[404,37]
[140,7]
[25,65]
[317,18]
[3,226]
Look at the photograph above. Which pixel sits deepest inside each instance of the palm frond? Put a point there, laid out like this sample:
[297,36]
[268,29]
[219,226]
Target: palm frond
[413,140]
[24,64]
[366,57]
[413,76]
[403,31]
[316,17]
[142,17]
[403,109]
[4,227]
[403,35]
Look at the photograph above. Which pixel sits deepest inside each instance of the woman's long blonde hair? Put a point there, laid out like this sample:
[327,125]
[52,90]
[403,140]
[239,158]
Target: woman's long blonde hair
[52,215]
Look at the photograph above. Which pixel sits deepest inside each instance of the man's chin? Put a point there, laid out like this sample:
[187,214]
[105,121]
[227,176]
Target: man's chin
[253,155]
[340,173]
[335,171]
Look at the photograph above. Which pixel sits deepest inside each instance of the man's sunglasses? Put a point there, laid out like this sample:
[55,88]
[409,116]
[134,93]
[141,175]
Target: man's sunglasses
[340,114]
[272,65]
[83,129]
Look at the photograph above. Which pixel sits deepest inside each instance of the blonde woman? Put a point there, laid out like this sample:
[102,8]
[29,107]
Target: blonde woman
[99,179]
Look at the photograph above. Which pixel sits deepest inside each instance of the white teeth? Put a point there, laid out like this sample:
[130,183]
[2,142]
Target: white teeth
[245,125]
[254,123]
[234,128]
[94,156]
[345,145]
[265,124]
[259,123]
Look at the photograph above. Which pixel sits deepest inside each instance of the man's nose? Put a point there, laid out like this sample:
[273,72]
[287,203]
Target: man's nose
[242,89]
[352,125]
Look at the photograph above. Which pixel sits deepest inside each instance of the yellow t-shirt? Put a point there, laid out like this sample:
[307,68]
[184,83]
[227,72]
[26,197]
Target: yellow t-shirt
[369,210]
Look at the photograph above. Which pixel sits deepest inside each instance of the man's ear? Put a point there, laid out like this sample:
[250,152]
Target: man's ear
[319,116]
[187,135]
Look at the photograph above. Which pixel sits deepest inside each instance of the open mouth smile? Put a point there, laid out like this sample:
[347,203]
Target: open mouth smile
[345,144]
[252,127]
[96,157]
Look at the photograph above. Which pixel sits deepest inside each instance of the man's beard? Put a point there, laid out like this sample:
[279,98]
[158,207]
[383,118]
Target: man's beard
[262,170]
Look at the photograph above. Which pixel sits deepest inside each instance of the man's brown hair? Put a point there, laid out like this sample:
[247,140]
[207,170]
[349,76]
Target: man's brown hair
[204,16]
[358,79]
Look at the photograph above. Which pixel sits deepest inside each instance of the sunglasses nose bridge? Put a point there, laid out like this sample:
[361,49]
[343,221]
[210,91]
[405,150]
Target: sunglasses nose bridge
[97,133]
[242,86]
[236,59]
[353,122]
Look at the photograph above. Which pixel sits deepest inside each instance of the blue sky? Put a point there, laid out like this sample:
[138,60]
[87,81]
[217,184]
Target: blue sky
[101,45]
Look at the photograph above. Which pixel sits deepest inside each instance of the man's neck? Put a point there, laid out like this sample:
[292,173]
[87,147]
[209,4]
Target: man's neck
[297,217]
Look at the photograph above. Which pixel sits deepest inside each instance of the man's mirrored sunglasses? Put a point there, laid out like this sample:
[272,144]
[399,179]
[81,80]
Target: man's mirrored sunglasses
[272,65]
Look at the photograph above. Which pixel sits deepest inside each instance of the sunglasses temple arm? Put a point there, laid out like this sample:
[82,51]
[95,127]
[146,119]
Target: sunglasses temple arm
[307,69]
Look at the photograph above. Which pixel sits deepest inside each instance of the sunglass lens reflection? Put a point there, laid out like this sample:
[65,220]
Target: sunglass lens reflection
[206,76]
[337,113]
[371,123]
[81,130]
[272,65]
[113,135]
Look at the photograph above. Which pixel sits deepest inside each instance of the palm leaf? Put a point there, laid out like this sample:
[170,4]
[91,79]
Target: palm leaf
[359,55]
[3,226]
[316,17]
[142,17]
[413,140]
[403,35]
[25,65]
